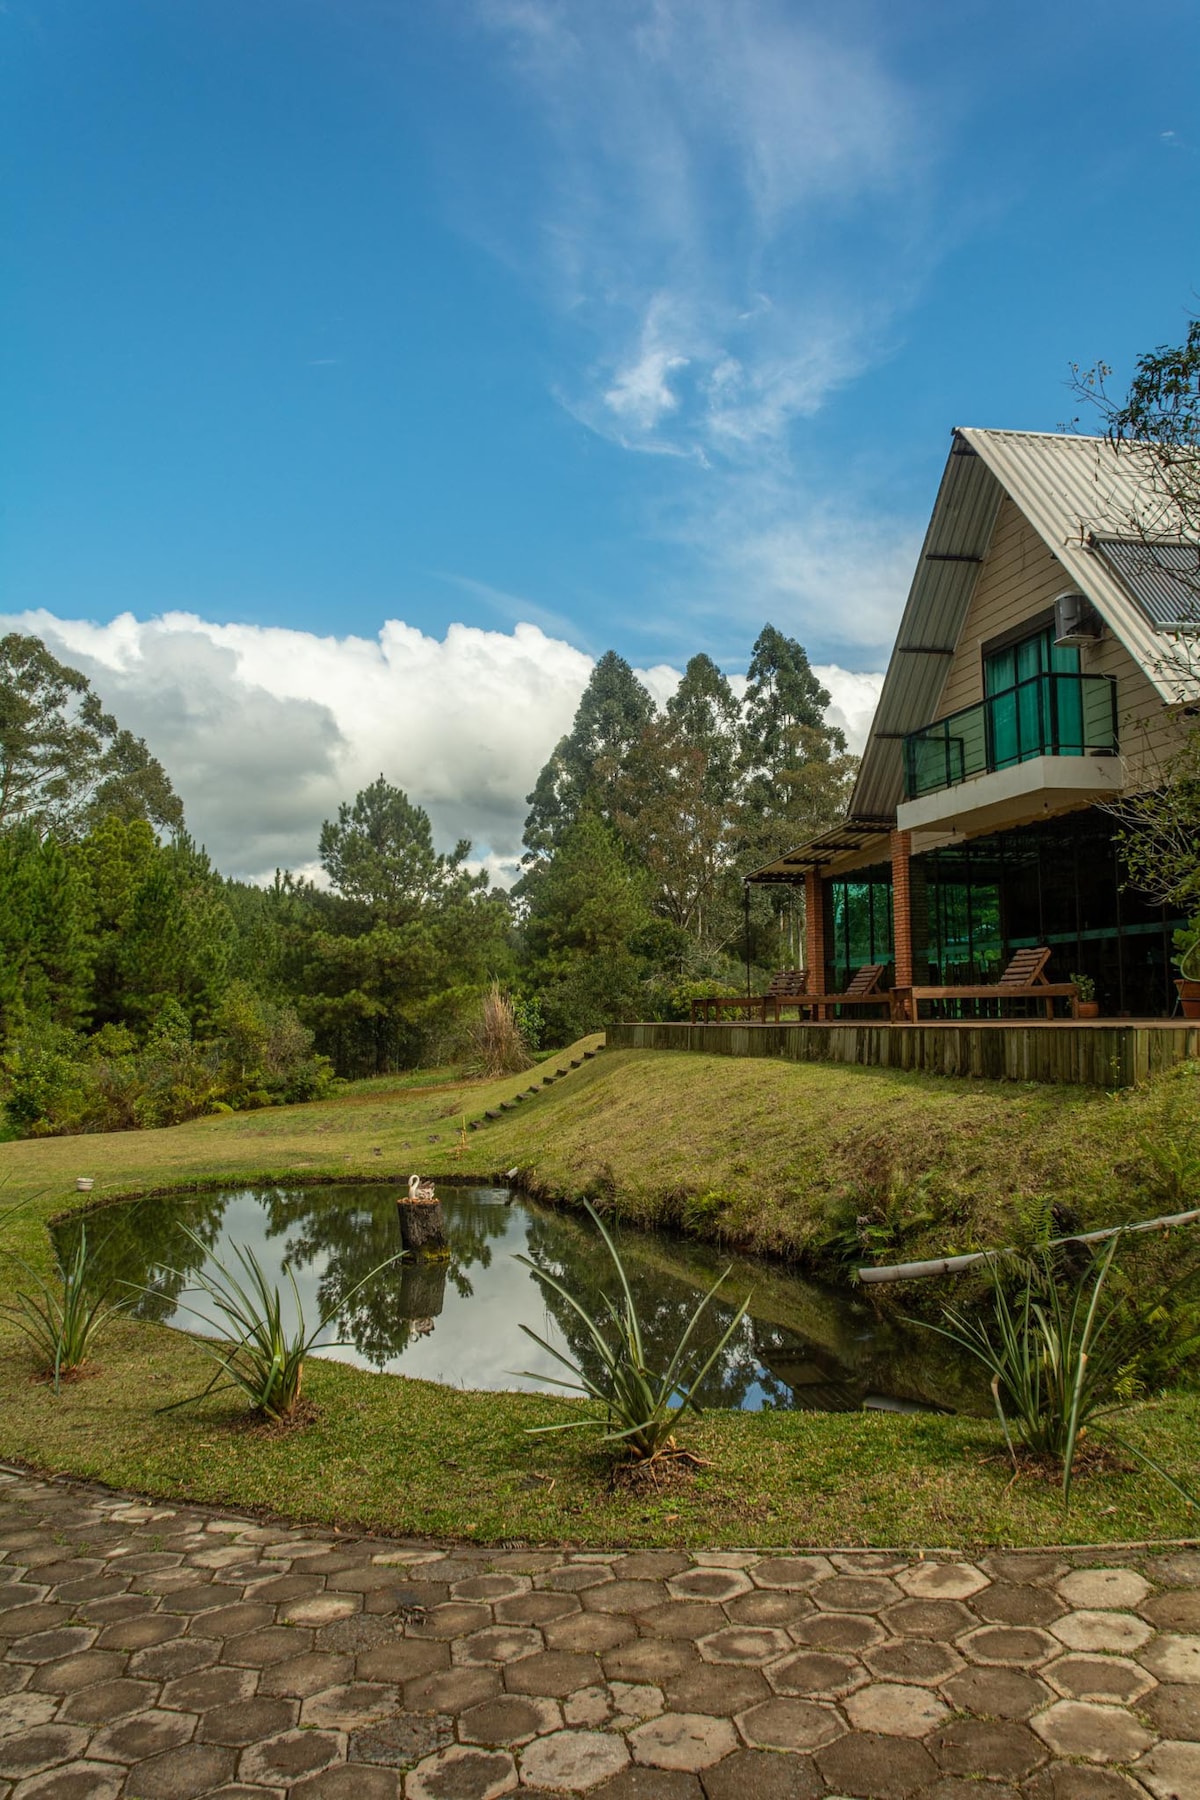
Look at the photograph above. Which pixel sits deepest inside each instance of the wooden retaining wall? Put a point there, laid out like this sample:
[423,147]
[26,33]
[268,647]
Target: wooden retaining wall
[1104,1055]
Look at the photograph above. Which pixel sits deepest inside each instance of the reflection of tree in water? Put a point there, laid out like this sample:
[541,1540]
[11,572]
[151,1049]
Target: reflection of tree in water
[576,1256]
[145,1243]
[343,1233]
[347,1232]
[764,1364]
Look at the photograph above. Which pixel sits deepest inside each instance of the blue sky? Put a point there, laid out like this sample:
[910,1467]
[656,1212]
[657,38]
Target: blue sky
[640,321]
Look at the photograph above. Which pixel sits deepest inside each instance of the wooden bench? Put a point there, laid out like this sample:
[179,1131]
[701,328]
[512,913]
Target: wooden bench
[787,988]
[863,990]
[1024,979]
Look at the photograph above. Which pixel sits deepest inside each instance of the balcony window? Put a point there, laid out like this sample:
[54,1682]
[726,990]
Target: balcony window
[1037,703]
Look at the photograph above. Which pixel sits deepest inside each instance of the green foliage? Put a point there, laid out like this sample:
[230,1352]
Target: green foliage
[1058,1362]
[43,1087]
[1187,949]
[62,1322]
[46,947]
[529,1019]
[262,1356]
[65,764]
[379,854]
[1170,1149]
[1086,986]
[694,796]
[613,712]
[641,1406]
[877,1223]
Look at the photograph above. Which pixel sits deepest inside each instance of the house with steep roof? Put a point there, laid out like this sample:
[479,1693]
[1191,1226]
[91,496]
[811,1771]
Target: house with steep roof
[1044,667]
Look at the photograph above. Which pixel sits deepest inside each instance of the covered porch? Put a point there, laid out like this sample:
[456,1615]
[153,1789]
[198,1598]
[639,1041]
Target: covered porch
[949,910]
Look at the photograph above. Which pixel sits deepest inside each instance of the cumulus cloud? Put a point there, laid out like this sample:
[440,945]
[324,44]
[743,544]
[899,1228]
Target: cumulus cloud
[265,730]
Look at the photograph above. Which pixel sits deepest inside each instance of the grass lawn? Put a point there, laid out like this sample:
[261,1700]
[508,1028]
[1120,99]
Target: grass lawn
[754,1153]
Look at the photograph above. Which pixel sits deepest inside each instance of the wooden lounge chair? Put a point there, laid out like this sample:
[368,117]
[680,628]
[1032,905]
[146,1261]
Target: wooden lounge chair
[863,990]
[1024,979]
[787,988]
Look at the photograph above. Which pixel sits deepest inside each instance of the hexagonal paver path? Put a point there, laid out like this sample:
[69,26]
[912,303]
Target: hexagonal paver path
[156,1652]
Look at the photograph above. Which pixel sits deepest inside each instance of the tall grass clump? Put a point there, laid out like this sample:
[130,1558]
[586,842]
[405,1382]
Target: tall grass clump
[62,1322]
[641,1406]
[257,1353]
[1061,1352]
[497,1044]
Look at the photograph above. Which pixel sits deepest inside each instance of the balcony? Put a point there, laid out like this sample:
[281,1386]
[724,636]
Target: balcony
[1048,715]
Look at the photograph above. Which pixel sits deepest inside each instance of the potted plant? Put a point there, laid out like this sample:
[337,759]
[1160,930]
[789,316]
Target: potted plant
[1086,1004]
[1187,960]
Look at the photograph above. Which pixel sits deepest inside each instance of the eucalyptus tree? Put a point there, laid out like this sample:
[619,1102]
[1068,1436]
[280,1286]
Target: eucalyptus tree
[581,771]
[65,763]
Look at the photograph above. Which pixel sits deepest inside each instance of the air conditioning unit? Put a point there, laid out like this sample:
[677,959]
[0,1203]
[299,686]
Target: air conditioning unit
[1076,620]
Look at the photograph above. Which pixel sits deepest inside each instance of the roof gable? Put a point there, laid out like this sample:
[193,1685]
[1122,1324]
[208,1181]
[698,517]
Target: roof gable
[1075,492]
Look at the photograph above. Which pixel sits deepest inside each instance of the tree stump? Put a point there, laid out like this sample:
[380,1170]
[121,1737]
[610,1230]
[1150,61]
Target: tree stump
[422,1226]
[422,1289]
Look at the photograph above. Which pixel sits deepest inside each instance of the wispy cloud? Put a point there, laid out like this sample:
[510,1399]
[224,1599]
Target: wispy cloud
[721,167]
[729,223]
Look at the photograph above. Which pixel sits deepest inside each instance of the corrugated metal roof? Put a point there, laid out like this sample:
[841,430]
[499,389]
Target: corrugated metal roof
[1073,491]
[839,840]
[955,544]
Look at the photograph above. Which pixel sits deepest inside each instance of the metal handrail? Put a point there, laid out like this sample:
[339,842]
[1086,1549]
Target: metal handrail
[967,738]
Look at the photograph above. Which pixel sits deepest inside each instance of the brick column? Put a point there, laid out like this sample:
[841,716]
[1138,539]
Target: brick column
[814,930]
[902,935]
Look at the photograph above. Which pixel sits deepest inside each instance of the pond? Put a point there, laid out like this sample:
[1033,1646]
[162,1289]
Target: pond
[801,1346]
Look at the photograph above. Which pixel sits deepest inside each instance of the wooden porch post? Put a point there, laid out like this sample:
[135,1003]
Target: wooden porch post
[902,936]
[814,930]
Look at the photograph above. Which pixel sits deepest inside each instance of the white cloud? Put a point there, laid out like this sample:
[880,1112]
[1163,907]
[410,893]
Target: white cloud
[265,730]
[729,218]
[731,193]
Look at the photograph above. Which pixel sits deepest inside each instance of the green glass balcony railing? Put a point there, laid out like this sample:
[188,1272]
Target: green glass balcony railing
[1047,715]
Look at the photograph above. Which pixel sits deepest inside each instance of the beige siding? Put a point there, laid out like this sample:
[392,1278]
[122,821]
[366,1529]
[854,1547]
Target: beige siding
[1020,579]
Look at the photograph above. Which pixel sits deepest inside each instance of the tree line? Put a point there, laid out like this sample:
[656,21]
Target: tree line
[139,986]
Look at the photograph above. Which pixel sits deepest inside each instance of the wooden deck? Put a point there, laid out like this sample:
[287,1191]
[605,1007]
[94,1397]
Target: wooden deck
[1103,1053]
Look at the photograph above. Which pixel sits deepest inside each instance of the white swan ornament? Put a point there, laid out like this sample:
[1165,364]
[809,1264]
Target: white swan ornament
[420,1191]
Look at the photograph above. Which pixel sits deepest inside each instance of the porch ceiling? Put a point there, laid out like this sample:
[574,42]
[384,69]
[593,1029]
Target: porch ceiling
[847,840]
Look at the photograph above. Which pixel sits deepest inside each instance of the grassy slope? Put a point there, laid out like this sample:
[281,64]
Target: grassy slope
[751,1151]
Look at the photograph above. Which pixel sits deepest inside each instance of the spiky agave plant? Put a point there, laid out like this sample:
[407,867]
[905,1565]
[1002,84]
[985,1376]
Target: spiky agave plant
[256,1352]
[1056,1360]
[641,1406]
[62,1322]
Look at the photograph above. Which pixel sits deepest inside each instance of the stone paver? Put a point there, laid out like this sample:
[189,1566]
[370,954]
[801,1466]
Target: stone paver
[163,1652]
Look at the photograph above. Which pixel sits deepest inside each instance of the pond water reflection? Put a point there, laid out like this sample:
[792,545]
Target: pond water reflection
[458,1322]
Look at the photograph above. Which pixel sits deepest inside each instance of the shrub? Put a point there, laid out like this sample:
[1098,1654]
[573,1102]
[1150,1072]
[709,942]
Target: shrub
[62,1325]
[497,1045]
[1059,1362]
[258,1354]
[641,1407]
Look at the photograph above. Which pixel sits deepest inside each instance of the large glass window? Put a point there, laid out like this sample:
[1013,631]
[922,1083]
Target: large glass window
[1028,716]
[860,920]
[1055,883]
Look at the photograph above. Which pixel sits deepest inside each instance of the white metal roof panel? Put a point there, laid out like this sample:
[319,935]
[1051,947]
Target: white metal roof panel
[1071,489]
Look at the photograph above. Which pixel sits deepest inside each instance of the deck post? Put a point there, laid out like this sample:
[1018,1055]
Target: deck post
[902,938]
[814,930]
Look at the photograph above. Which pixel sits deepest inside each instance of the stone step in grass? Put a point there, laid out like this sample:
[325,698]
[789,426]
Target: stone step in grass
[531,1093]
